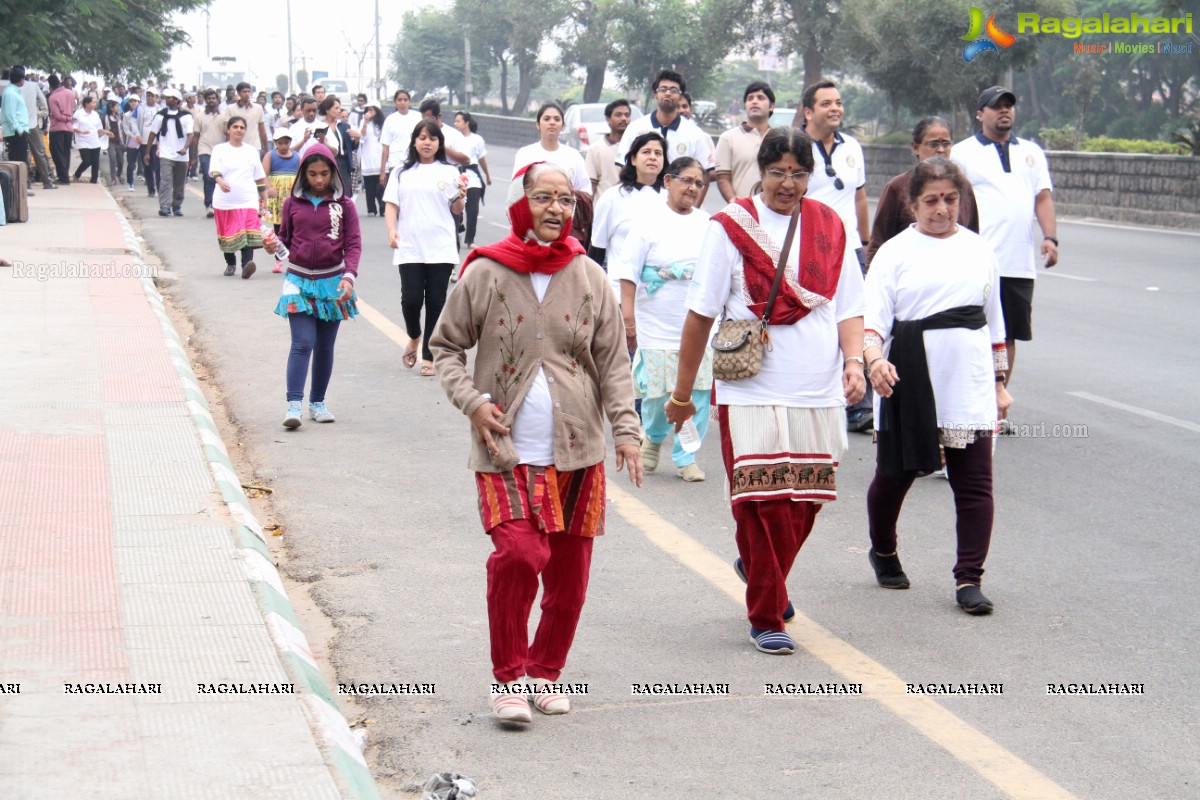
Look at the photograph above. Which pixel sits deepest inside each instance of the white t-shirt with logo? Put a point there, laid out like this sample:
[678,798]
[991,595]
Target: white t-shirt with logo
[566,157]
[424,225]
[686,139]
[1006,199]
[396,133]
[848,162]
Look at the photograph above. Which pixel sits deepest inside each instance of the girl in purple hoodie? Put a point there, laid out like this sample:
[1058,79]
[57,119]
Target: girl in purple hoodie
[320,227]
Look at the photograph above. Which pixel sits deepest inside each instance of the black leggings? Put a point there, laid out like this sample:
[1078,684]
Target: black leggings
[91,158]
[423,286]
[374,194]
[472,213]
[247,255]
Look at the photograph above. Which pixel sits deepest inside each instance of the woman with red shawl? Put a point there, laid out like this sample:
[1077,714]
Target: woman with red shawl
[783,430]
[550,363]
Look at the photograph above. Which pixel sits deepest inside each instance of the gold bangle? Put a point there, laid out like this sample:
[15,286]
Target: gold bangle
[675,402]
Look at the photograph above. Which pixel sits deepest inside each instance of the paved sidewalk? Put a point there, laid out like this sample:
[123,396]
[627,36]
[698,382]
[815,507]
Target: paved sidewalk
[146,646]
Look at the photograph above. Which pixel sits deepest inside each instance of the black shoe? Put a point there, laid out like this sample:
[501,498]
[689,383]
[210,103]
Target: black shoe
[248,269]
[162,212]
[209,213]
[888,571]
[230,271]
[972,601]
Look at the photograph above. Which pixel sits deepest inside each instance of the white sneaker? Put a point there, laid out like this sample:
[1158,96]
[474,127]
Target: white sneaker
[320,413]
[549,702]
[295,414]
[510,707]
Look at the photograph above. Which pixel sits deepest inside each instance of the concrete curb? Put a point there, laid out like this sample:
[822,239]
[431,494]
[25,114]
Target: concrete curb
[341,747]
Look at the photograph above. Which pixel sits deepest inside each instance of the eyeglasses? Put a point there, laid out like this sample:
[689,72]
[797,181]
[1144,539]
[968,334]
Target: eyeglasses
[780,175]
[694,183]
[667,90]
[838,183]
[938,144]
[566,202]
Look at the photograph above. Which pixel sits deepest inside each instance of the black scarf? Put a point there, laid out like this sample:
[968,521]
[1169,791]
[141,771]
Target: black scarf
[908,434]
[166,114]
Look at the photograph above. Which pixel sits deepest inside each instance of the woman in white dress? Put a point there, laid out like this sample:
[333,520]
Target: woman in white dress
[641,185]
[548,148]
[241,197]
[477,172]
[934,345]
[423,194]
[370,156]
[655,267]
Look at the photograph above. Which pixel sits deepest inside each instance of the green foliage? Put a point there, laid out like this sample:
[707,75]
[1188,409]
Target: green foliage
[1065,138]
[1104,144]
[1189,138]
[105,37]
[429,54]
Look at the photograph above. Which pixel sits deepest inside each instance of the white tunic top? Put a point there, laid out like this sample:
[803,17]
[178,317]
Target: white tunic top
[240,167]
[397,130]
[90,123]
[613,217]
[1006,199]
[424,224]
[661,238]
[914,276]
[475,148]
[566,157]
[804,367]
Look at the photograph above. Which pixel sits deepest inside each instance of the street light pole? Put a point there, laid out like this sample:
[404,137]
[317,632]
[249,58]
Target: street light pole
[291,64]
[378,84]
[207,37]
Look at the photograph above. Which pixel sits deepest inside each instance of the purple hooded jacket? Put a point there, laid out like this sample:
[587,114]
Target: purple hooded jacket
[324,240]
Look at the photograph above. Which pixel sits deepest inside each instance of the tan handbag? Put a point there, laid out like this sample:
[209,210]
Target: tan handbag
[739,344]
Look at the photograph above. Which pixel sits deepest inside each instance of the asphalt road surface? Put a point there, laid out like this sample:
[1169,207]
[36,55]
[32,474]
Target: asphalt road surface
[1092,566]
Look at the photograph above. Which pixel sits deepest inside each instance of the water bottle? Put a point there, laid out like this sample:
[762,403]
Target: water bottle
[268,235]
[688,436]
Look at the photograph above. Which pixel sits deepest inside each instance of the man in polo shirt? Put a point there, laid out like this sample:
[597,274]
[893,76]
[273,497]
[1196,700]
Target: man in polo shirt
[209,127]
[256,130]
[1011,181]
[839,180]
[601,168]
[737,149]
[684,137]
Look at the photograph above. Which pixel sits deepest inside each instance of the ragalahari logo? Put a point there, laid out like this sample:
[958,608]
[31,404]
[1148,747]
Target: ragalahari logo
[984,38]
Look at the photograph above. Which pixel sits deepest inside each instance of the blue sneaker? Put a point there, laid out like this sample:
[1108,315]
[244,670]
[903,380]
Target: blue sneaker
[776,643]
[320,413]
[789,613]
[295,414]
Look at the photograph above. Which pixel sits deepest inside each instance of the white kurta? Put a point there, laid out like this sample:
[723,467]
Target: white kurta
[804,366]
[914,276]
[424,223]
[613,216]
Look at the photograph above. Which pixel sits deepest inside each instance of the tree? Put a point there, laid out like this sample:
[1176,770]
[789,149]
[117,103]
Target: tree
[302,79]
[281,83]
[93,35]
[808,28]
[584,41]
[429,54]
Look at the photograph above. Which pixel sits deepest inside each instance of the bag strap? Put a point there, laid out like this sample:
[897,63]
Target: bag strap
[779,269]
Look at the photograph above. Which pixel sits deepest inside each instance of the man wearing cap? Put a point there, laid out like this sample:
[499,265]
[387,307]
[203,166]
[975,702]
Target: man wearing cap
[209,128]
[256,130]
[683,137]
[171,132]
[1011,181]
[737,149]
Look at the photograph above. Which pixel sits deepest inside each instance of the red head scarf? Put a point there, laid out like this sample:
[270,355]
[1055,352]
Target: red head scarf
[520,250]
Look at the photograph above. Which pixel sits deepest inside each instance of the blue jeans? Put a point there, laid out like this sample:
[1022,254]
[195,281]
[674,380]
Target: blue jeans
[312,338]
[654,420]
[210,184]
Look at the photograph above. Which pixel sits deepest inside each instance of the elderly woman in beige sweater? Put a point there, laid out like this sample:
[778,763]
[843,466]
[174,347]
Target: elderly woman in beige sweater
[550,363]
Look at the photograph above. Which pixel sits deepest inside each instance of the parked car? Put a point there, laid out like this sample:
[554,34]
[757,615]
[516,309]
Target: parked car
[339,88]
[783,116]
[585,124]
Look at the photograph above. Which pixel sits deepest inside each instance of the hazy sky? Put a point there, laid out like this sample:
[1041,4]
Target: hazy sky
[256,33]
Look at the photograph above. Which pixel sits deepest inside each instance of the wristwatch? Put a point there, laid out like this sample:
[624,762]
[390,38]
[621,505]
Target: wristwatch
[859,359]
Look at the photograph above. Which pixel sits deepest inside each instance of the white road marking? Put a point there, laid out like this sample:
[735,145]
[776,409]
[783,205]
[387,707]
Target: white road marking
[1141,412]
[1138,228]
[1057,274]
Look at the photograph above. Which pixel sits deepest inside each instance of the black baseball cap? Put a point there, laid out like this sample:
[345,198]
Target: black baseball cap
[994,94]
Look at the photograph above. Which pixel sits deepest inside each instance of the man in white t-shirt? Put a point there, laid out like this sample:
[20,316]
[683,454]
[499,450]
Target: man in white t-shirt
[171,131]
[397,130]
[1011,181]
[684,137]
[601,168]
[302,129]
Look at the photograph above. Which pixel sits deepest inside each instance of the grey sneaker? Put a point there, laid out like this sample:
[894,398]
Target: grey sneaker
[320,413]
[294,415]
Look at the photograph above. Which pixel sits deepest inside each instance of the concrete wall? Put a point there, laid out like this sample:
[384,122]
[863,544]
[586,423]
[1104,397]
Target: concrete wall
[1137,189]
[1118,187]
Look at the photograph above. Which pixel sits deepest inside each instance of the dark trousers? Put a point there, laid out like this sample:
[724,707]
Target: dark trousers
[116,162]
[210,184]
[90,158]
[60,153]
[312,339]
[151,169]
[247,255]
[970,474]
[472,214]
[131,163]
[374,194]
[423,286]
[18,150]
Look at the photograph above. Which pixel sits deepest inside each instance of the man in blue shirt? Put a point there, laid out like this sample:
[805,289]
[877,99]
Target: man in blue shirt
[14,119]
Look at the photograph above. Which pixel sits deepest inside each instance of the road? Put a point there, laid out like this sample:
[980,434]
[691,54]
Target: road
[1092,566]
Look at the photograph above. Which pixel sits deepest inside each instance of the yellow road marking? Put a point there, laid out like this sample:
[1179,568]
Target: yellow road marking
[998,766]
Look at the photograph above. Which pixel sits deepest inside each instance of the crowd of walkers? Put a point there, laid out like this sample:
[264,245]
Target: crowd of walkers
[783,321]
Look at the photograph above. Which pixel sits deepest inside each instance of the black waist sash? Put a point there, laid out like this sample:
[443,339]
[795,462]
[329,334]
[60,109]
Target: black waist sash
[908,435]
